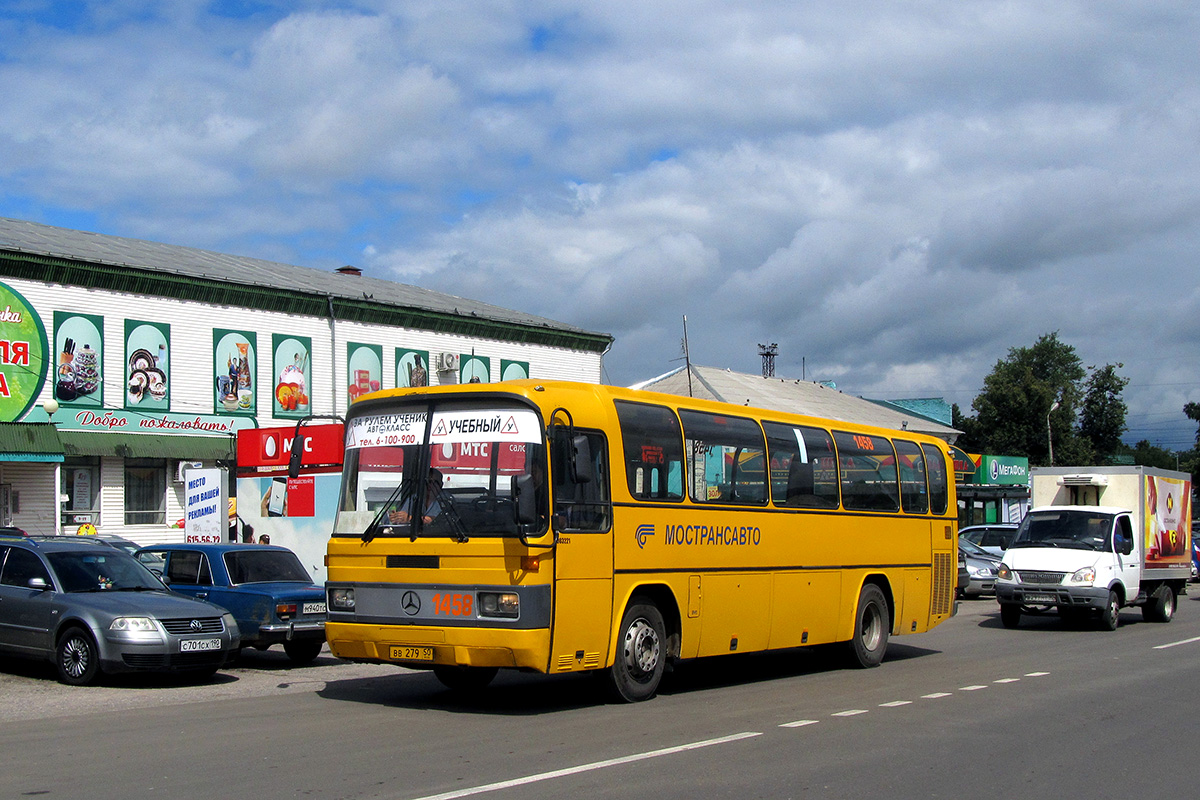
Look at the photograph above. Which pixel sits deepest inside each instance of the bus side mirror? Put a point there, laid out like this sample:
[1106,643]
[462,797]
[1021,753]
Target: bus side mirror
[581,461]
[524,491]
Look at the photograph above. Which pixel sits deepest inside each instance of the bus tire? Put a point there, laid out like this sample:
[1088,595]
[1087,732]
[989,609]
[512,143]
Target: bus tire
[641,654]
[872,624]
[1161,605]
[464,679]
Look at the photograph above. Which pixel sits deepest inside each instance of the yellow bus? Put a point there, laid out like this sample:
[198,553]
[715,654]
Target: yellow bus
[561,527]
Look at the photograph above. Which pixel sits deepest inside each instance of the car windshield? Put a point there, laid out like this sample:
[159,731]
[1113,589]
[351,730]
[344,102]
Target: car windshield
[264,566]
[1079,530]
[101,572]
[972,549]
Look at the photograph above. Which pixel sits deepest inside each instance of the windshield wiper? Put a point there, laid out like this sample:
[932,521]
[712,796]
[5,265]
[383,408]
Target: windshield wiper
[403,491]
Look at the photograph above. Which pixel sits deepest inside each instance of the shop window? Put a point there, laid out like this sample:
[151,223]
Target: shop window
[80,485]
[145,491]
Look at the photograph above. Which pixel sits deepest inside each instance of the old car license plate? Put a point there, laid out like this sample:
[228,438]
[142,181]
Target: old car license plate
[313,608]
[196,645]
[411,653]
[1031,597]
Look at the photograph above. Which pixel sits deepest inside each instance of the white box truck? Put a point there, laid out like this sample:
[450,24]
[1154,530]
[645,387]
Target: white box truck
[1097,539]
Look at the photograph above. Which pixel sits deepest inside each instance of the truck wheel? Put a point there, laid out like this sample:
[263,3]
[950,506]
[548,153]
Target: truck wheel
[1161,605]
[872,625]
[1110,617]
[1010,614]
[641,654]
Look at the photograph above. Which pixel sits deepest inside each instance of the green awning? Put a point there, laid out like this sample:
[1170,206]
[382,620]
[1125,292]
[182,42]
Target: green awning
[30,441]
[148,445]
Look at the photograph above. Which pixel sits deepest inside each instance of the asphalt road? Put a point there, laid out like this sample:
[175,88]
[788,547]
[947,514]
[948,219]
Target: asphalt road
[968,709]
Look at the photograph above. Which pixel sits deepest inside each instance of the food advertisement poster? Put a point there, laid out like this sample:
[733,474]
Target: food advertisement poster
[412,368]
[1168,522]
[475,369]
[513,370]
[79,360]
[291,374]
[364,368]
[147,370]
[24,356]
[235,379]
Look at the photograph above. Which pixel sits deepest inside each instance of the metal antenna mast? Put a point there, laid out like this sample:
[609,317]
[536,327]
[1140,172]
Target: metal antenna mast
[768,353]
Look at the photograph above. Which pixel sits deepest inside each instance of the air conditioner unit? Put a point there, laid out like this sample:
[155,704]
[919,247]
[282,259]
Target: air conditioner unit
[447,361]
[185,465]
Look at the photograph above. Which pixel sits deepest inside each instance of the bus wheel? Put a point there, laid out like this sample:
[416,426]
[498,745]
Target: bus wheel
[871,628]
[1161,606]
[641,654]
[464,679]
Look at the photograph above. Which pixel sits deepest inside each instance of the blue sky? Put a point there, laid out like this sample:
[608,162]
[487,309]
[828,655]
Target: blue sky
[896,194]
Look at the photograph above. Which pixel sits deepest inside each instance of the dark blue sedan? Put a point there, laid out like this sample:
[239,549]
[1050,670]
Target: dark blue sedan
[265,587]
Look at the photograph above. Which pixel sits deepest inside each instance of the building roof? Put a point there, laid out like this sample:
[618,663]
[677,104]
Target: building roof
[794,396]
[24,243]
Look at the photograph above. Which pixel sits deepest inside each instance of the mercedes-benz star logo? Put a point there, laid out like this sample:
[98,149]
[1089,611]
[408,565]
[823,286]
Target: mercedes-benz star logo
[411,603]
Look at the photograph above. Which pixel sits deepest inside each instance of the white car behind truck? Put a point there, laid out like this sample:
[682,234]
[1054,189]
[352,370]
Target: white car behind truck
[1099,539]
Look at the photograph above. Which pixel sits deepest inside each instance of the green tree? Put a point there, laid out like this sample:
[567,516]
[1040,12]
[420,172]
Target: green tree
[1102,417]
[1149,455]
[1029,397]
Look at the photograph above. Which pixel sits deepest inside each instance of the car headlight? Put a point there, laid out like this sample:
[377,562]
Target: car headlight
[341,599]
[1003,573]
[141,629]
[1085,575]
[980,572]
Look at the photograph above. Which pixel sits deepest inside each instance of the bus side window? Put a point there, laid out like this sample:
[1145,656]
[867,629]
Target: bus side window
[580,505]
[910,464]
[803,467]
[939,490]
[653,451]
[725,458]
[868,468]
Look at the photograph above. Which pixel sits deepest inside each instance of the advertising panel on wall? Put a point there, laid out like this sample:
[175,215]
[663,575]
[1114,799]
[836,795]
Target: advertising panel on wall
[412,368]
[292,375]
[513,370]
[475,369]
[235,372]
[79,369]
[364,369]
[148,375]
[24,353]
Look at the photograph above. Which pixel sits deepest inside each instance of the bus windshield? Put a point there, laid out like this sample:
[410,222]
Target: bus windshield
[442,469]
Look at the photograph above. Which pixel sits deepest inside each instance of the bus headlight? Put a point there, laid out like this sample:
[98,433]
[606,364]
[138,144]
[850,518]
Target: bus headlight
[341,599]
[499,604]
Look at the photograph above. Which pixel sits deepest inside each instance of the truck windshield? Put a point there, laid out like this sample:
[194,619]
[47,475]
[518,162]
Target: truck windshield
[1081,530]
[447,469]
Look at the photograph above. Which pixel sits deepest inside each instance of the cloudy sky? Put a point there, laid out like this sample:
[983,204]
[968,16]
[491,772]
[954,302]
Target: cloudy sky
[894,192]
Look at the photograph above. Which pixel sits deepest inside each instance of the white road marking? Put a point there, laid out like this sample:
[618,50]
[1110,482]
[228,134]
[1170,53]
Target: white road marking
[1181,641]
[611,762]
[1007,680]
[974,688]
[851,713]
[800,723]
[935,695]
[1036,674]
[896,703]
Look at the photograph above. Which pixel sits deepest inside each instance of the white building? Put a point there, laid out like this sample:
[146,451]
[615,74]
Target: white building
[156,355]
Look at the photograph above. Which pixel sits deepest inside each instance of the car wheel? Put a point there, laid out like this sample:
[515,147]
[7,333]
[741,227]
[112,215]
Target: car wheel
[641,653]
[1110,617]
[77,657]
[1010,614]
[464,679]
[1161,606]
[872,624]
[303,651]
